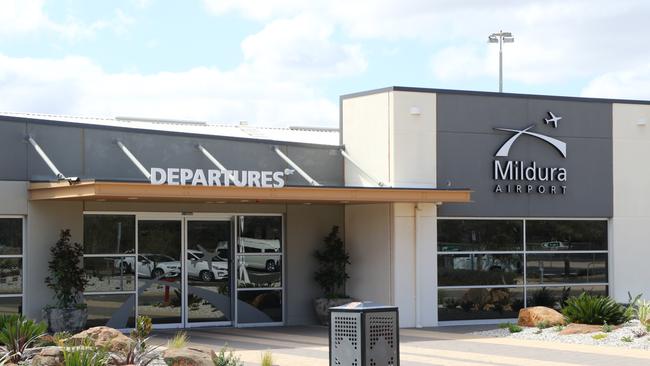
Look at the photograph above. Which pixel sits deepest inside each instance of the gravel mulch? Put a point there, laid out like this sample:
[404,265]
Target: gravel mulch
[613,338]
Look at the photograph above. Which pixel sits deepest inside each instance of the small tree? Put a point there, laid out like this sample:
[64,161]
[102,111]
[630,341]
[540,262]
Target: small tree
[67,277]
[331,275]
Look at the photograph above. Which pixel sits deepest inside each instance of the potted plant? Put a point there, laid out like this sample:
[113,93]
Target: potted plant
[331,275]
[67,279]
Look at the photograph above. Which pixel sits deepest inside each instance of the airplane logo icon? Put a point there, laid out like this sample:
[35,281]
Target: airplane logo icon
[553,119]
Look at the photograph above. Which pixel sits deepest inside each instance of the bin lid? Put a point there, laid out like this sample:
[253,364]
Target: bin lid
[363,306]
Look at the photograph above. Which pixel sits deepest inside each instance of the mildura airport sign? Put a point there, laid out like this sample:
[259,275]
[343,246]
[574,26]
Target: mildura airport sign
[529,177]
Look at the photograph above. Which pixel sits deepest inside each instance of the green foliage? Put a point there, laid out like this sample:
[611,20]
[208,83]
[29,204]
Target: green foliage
[543,324]
[630,310]
[67,277]
[61,337]
[642,312]
[589,309]
[17,334]
[599,336]
[514,328]
[226,357]
[627,339]
[138,354]
[142,330]
[331,275]
[607,328]
[559,328]
[84,356]
[179,340]
[503,325]
[267,358]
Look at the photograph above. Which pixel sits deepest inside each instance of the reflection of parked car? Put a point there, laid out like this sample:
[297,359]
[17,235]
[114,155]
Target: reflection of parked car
[199,267]
[269,263]
[484,262]
[554,245]
[158,266]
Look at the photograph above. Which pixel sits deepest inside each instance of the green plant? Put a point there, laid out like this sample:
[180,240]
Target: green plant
[67,277]
[60,338]
[627,339]
[504,325]
[17,334]
[179,340]
[599,336]
[590,309]
[559,328]
[643,312]
[514,328]
[607,328]
[142,330]
[226,357]
[543,324]
[631,309]
[331,275]
[267,358]
[138,354]
[84,356]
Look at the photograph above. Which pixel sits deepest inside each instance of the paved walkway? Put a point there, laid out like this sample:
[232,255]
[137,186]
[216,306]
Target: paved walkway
[449,346]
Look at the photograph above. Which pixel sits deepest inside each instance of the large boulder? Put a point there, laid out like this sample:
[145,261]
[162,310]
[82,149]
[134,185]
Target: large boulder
[49,356]
[190,356]
[531,317]
[104,337]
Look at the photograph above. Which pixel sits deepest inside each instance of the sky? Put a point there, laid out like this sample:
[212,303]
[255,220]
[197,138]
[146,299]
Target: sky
[286,62]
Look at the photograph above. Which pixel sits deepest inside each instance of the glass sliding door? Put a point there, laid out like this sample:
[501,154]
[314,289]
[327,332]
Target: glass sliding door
[259,270]
[159,269]
[208,267]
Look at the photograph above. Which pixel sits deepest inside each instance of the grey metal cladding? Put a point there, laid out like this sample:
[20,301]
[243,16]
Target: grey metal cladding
[13,151]
[63,145]
[467,143]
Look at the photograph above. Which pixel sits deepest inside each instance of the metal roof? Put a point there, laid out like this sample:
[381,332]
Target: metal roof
[307,135]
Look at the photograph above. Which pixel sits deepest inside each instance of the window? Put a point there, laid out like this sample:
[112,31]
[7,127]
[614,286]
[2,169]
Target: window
[109,261]
[489,269]
[11,265]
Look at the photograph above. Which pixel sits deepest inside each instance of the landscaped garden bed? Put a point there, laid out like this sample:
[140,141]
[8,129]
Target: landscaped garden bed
[586,319]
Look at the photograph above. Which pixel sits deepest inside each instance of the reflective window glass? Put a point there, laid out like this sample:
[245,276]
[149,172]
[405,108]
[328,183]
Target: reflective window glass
[259,271]
[116,311]
[11,305]
[480,235]
[259,306]
[260,234]
[11,236]
[109,274]
[479,303]
[11,275]
[480,269]
[109,234]
[559,235]
[566,267]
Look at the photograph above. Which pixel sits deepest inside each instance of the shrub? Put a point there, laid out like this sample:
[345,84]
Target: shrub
[607,328]
[267,358]
[543,324]
[559,328]
[331,275]
[226,357]
[588,309]
[643,312]
[599,336]
[67,277]
[84,356]
[142,330]
[626,339]
[17,334]
[514,328]
[179,340]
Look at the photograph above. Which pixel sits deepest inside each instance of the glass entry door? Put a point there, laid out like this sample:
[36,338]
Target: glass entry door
[159,268]
[208,258]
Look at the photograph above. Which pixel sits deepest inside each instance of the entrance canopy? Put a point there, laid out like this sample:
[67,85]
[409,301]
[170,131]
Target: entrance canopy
[122,191]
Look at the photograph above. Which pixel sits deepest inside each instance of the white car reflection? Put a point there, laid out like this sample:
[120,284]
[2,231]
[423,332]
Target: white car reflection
[151,265]
[269,263]
[207,270]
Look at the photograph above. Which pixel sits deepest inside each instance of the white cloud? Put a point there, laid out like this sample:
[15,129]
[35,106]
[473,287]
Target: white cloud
[27,16]
[77,86]
[630,84]
[301,47]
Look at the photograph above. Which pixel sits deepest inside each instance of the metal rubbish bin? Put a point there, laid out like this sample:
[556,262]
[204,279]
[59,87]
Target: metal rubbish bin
[364,334]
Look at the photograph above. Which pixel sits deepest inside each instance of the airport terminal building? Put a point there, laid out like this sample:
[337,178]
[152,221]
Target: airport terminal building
[456,206]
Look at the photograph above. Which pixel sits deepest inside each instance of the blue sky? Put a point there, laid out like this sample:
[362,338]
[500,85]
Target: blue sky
[285,62]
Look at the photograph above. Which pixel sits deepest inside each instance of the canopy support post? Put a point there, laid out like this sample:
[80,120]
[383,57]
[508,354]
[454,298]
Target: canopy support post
[134,160]
[295,166]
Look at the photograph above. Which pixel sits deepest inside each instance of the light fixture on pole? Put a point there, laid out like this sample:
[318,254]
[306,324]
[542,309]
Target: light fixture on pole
[501,38]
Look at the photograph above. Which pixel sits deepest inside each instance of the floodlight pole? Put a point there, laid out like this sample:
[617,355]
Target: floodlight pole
[501,37]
